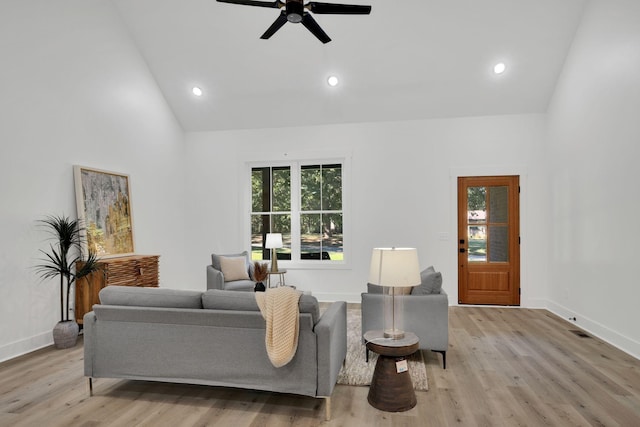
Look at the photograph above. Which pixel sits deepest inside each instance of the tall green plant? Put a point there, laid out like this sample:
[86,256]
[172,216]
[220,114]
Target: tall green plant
[65,252]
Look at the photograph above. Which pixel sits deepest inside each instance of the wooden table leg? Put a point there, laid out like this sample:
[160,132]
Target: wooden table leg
[391,391]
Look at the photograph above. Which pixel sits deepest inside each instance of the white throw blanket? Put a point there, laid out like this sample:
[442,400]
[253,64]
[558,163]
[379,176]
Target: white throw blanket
[279,307]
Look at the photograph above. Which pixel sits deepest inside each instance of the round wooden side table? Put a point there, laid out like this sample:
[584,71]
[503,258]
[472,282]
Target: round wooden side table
[390,390]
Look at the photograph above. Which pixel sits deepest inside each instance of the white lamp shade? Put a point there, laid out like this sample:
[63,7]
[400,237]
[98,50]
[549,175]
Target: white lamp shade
[394,267]
[274,240]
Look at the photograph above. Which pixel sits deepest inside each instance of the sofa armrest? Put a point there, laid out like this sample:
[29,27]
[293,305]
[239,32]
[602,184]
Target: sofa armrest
[88,325]
[331,336]
[215,278]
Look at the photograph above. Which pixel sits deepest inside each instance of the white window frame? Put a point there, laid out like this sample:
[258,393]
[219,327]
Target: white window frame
[296,162]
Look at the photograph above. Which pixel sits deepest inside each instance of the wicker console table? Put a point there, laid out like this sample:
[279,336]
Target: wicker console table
[134,270]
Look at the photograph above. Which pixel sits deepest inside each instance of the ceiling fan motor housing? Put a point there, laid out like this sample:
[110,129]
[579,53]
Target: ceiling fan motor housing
[295,10]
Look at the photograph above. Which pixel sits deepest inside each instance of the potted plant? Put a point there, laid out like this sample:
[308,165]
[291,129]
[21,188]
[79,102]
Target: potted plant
[259,274]
[61,261]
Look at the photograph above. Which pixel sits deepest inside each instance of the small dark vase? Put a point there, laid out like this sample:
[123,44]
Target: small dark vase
[259,287]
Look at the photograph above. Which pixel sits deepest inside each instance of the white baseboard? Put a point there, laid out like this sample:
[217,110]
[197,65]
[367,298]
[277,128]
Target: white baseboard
[27,345]
[617,340]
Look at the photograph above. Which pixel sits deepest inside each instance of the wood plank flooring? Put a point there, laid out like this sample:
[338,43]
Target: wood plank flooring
[506,367]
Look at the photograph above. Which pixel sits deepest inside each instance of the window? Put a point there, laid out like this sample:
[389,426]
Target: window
[304,202]
[270,209]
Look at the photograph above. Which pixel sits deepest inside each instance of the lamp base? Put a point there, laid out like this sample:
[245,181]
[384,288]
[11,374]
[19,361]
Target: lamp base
[274,261]
[395,334]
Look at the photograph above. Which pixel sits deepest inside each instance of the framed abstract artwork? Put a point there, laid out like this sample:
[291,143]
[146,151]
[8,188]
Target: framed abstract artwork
[103,199]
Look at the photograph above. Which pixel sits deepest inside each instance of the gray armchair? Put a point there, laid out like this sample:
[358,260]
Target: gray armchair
[216,278]
[424,314]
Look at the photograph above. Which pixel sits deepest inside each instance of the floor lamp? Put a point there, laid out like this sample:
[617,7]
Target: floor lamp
[394,268]
[273,242]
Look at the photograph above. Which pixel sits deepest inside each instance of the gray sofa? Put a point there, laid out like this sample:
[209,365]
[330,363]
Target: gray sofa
[425,312]
[215,338]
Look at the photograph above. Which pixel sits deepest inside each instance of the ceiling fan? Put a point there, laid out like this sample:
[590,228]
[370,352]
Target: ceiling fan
[294,11]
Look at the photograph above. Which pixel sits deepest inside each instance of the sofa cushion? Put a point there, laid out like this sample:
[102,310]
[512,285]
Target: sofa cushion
[233,268]
[150,297]
[431,282]
[216,299]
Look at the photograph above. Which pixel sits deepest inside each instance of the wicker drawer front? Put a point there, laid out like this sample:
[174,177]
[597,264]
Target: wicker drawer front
[135,270]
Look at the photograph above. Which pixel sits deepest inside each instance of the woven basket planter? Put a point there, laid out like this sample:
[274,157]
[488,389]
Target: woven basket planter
[65,334]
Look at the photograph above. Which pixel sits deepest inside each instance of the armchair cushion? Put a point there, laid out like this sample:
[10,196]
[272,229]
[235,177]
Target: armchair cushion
[431,282]
[234,268]
[215,262]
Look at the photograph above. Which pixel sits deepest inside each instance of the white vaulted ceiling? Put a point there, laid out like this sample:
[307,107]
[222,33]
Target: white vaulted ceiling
[409,59]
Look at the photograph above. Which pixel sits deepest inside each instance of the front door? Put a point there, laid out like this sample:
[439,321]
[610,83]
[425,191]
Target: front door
[489,240]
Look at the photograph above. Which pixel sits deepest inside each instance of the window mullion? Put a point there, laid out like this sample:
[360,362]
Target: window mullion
[295,210]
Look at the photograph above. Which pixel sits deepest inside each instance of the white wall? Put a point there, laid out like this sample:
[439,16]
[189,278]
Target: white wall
[403,191]
[75,91]
[594,129]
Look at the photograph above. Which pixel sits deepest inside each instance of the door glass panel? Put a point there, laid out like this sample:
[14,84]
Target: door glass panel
[477,243]
[476,205]
[476,218]
[498,243]
[498,204]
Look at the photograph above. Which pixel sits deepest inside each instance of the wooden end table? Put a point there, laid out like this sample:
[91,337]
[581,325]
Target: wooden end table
[390,390]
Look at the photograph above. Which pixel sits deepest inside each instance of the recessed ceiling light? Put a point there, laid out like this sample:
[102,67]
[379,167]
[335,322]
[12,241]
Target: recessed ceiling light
[196,91]
[332,81]
[499,68]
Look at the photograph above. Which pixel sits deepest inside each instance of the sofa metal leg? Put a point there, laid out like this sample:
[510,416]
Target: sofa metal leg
[327,408]
[444,357]
[366,355]
[90,386]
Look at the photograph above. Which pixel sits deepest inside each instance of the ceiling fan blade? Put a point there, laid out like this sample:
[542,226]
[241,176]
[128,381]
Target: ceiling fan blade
[273,4]
[277,24]
[338,9]
[312,25]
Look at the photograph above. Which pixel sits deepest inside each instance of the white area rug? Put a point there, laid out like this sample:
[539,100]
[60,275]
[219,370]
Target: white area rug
[358,372]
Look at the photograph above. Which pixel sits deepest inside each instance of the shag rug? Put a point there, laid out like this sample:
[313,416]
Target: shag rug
[357,371]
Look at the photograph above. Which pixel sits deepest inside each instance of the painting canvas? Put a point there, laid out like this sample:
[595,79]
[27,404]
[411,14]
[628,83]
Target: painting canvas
[104,207]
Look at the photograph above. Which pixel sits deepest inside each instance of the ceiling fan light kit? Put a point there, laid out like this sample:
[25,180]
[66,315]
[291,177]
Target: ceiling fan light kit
[294,12]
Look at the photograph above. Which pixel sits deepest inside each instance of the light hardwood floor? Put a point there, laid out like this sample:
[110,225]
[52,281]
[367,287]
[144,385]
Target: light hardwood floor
[506,367]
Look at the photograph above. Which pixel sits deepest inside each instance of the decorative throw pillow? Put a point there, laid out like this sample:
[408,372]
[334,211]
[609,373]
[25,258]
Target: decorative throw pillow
[374,289]
[215,261]
[431,282]
[233,269]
